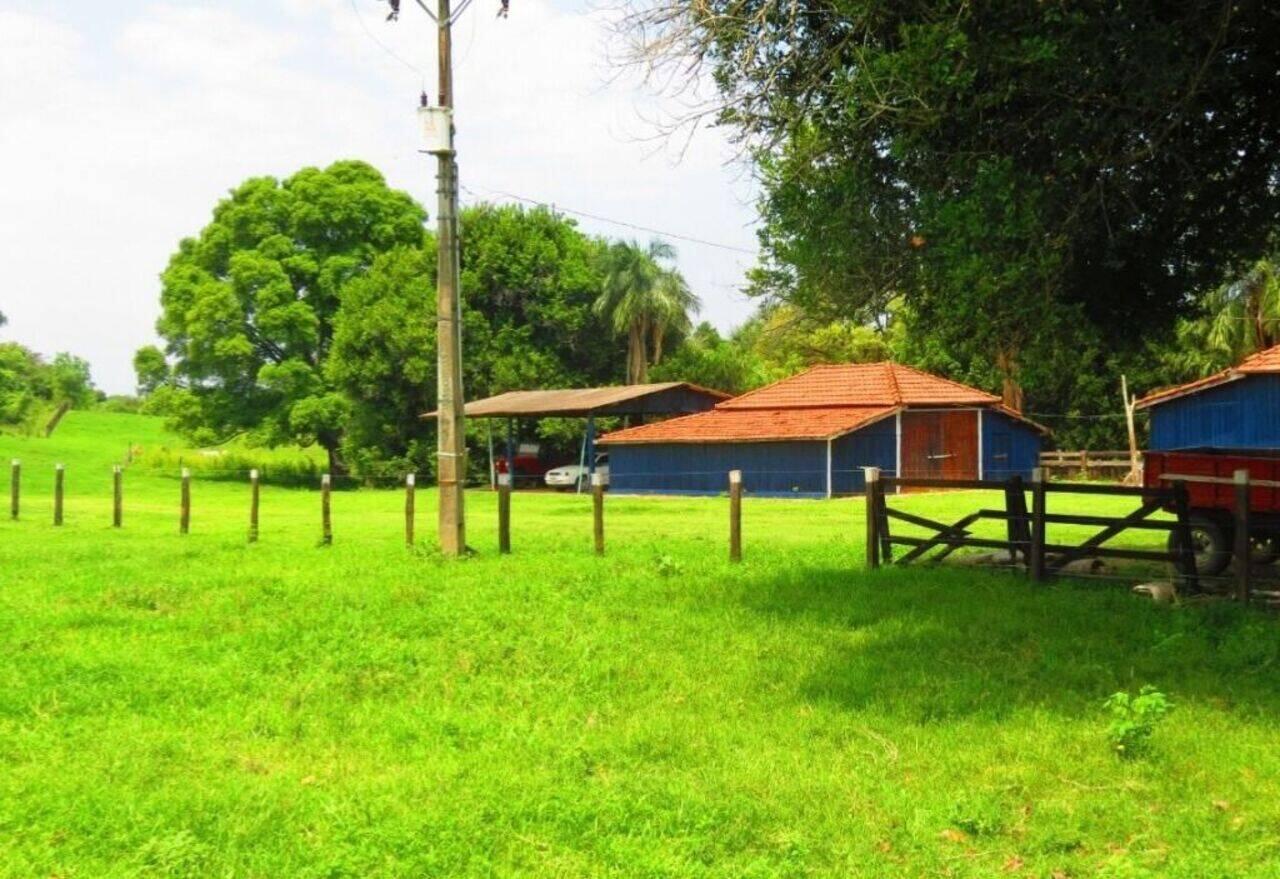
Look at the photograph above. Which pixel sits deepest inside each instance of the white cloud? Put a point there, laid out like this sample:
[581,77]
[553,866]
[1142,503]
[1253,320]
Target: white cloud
[120,134]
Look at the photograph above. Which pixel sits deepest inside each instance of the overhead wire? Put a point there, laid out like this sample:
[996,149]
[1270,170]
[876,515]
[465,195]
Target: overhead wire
[384,47]
[603,219]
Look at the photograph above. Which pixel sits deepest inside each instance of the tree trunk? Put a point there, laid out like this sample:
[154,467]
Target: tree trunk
[337,466]
[659,330]
[1011,389]
[636,354]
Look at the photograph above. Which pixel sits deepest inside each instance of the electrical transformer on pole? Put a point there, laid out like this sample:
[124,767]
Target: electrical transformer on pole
[451,462]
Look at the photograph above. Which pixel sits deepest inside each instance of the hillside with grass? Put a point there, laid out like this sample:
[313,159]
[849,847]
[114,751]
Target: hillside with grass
[196,705]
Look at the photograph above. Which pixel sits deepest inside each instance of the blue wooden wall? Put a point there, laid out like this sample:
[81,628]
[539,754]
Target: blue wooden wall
[1243,414]
[799,469]
[782,469]
[793,469]
[1009,447]
[876,445]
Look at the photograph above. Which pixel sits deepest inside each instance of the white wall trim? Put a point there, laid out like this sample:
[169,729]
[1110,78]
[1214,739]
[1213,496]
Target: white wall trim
[980,455]
[829,467]
[897,461]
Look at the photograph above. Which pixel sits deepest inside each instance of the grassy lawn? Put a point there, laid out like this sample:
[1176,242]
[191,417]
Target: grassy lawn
[197,706]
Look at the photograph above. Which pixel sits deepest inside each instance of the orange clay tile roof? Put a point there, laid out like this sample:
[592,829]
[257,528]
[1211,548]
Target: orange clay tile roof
[860,384]
[1262,362]
[753,425]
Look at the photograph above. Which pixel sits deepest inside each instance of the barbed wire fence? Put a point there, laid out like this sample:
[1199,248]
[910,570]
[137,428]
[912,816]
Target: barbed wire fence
[735,485]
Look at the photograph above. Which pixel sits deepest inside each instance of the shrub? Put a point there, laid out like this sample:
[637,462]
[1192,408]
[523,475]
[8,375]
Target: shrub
[1134,719]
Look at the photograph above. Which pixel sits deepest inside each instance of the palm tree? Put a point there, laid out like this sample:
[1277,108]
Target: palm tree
[674,304]
[1238,318]
[1245,314]
[644,299]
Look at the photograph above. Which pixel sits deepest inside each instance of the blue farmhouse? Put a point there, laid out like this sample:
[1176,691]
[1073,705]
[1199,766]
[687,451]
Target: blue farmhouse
[1238,408]
[812,434]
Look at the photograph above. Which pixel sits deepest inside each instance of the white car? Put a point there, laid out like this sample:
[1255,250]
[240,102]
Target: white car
[568,475]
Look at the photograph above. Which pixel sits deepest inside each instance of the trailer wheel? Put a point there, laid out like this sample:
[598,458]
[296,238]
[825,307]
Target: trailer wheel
[1264,550]
[1211,544]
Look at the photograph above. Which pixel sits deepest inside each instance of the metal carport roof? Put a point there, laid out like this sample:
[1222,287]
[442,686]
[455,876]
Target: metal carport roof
[587,402]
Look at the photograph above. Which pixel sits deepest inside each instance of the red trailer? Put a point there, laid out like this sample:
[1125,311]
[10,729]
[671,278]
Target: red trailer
[1209,475]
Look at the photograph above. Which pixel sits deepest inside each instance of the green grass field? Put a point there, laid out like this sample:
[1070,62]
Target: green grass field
[196,706]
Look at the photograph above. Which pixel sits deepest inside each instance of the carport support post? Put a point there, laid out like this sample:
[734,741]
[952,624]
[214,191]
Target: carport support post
[504,513]
[1035,557]
[1243,562]
[872,491]
[589,448]
[511,450]
[735,515]
[597,507]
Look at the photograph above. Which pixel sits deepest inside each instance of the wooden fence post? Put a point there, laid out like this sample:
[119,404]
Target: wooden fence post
[117,496]
[58,473]
[410,480]
[1035,557]
[597,505]
[504,513]
[253,506]
[184,522]
[873,500]
[1084,464]
[735,515]
[1186,561]
[1015,509]
[326,522]
[1243,561]
[15,487]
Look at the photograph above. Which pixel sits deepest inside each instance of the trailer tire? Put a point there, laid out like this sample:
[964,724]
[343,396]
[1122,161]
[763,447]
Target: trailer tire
[1263,550]
[1211,542]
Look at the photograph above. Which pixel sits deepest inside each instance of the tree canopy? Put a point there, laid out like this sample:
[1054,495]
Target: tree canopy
[31,384]
[1010,170]
[529,281]
[248,306]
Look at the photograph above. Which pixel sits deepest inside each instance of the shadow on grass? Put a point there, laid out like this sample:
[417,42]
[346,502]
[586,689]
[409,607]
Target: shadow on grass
[934,644]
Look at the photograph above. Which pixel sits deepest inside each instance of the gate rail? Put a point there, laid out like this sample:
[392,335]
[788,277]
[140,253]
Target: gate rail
[1025,530]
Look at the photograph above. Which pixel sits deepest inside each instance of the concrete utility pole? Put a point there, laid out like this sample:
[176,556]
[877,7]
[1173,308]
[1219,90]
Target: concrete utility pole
[451,449]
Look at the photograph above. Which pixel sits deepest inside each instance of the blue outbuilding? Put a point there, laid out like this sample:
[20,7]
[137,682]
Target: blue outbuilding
[812,434]
[1237,408]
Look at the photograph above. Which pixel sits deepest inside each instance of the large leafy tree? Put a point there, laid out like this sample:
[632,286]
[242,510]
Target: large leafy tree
[645,300]
[529,281]
[30,384]
[1011,169]
[248,306]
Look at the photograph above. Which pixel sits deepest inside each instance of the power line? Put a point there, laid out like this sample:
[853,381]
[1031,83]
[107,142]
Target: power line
[383,46]
[636,226]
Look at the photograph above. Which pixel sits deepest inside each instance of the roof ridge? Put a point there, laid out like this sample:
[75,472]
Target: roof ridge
[1257,355]
[728,404]
[892,369]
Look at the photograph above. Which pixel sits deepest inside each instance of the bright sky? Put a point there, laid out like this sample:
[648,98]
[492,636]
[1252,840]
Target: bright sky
[122,123]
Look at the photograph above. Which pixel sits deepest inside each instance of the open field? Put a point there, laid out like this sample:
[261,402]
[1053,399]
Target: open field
[197,706]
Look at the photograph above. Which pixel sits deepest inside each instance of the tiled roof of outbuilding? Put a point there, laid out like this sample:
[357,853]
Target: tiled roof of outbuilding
[753,425]
[822,403]
[861,384]
[1264,361]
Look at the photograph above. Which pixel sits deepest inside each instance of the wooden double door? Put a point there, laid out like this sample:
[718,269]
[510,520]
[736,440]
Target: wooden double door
[940,444]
